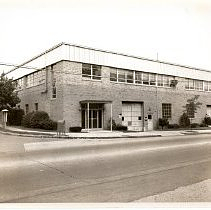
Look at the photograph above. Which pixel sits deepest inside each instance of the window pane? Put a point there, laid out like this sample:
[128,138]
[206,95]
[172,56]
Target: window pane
[191,84]
[129,75]
[205,86]
[160,80]
[113,75]
[138,77]
[166,81]
[146,78]
[86,70]
[166,111]
[121,75]
[187,84]
[209,86]
[152,79]
[96,72]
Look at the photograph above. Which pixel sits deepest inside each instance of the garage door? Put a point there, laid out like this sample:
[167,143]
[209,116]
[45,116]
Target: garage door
[132,116]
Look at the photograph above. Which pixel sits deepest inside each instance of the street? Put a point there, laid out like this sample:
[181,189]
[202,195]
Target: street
[122,170]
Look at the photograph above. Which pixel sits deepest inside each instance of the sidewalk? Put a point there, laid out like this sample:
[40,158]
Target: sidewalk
[103,134]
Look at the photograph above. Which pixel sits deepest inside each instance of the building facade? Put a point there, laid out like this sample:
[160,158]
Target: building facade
[88,87]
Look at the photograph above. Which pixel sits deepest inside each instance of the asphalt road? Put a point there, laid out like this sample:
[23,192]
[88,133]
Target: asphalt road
[122,170]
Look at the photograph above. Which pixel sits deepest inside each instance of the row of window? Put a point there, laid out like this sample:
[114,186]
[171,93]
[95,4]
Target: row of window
[36,78]
[192,84]
[137,77]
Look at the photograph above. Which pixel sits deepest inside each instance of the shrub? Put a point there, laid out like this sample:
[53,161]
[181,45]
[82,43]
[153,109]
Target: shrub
[120,127]
[173,126]
[184,121]
[75,129]
[194,125]
[207,120]
[39,119]
[48,124]
[113,125]
[26,121]
[163,122]
[15,116]
[203,125]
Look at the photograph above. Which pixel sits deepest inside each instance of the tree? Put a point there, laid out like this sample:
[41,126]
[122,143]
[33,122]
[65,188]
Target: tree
[8,96]
[192,106]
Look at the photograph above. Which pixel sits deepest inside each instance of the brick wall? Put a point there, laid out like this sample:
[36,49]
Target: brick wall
[72,88]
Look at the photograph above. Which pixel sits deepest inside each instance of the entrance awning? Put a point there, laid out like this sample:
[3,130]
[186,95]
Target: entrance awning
[95,101]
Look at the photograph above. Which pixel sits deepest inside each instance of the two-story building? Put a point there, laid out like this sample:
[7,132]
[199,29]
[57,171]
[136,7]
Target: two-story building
[87,87]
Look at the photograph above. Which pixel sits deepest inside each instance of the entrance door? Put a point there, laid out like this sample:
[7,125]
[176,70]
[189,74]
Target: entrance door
[95,117]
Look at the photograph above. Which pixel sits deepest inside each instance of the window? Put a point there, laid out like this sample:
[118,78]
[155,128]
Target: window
[190,111]
[198,85]
[138,77]
[152,78]
[91,71]
[129,76]
[19,84]
[36,78]
[113,75]
[160,80]
[206,85]
[191,84]
[27,108]
[187,84]
[36,106]
[121,75]
[166,81]
[209,86]
[166,111]
[54,88]
[146,78]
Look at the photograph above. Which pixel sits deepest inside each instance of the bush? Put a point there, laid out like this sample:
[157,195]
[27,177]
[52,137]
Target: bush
[207,121]
[173,126]
[194,125]
[163,122]
[120,127]
[15,116]
[48,124]
[184,121]
[75,129]
[113,125]
[26,121]
[203,125]
[39,119]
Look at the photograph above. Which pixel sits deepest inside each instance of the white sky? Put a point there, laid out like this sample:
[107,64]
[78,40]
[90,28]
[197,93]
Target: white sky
[179,30]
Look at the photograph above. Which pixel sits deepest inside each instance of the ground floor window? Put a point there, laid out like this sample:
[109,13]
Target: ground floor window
[27,108]
[166,111]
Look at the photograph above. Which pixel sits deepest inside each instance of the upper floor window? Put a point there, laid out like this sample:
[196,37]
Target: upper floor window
[19,84]
[145,78]
[124,76]
[113,75]
[152,79]
[199,85]
[160,80]
[35,78]
[138,77]
[91,71]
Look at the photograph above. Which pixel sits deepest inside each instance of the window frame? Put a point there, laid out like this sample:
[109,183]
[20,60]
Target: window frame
[167,110]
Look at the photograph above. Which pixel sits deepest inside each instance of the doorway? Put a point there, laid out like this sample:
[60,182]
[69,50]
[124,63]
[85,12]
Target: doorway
[93,119]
